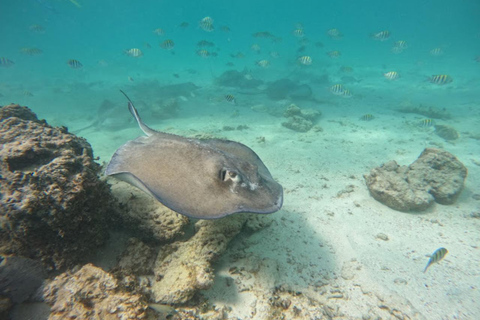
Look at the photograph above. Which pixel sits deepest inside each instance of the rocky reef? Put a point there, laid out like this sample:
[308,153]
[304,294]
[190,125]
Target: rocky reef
[301,120]
[183,268]
[436,176]
[91,293]
[145,217]
[53,206]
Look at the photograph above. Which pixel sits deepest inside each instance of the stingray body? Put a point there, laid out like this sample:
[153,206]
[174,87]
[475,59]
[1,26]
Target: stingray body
[203,179]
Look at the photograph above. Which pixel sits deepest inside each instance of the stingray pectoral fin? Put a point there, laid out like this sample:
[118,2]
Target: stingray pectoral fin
[134,181]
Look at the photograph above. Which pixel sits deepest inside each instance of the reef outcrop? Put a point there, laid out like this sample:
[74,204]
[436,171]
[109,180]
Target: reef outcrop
[301,120]
[183,268]
[436,176]
[53,206]
[91,293]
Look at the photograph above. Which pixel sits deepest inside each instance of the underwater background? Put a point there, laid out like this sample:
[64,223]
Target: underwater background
[381,80]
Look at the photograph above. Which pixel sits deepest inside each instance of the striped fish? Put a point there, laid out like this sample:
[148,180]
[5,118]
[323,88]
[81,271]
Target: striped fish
[134,52]
[31,51]
[167,44]
[334,54]
[367,117]
[74,64]
[4,62]
[230,98]
[382,35]
[337,89]
[440,79]
[392,75]
[305,60]
[437,256]
[426,122]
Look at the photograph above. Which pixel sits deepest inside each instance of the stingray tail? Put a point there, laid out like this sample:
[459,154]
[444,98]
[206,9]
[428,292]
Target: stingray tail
[147,130]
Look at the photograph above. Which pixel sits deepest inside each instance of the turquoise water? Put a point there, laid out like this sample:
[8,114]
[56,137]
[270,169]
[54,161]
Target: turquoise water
[97,34]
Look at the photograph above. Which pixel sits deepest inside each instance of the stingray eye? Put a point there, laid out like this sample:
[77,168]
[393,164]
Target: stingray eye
[226,175]
[223,174]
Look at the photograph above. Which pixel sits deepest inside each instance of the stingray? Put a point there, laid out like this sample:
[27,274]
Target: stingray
[204,179]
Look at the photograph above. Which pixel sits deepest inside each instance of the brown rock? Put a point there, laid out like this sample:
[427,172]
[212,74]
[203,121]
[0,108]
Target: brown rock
[91,294]
[145,215]
[53,207]
[183,268]
[435,176]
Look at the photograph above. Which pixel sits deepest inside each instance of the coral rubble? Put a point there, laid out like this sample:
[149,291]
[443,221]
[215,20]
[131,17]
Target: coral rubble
[53,206]
[301,120]
[435,176]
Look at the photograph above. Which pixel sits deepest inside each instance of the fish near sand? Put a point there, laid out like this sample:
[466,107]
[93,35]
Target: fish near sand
[438,255]
[203,179]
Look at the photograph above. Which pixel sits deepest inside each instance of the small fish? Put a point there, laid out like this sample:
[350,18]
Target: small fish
[130,79]
[75,3]
[238,55]
[346,69]
[263,63]
[230,98]
[436,52]
[203,53]
[37,28]
[5,62]
[299,33]
[367,117]
[319,44]
[206,24]
[437,256]
[305,60]
[391,75]
[205,43]
[263,34]
[225,28]
[31,51]
[274,54]
[346,93]
[334,54]
[165,310]
[27,93]
[334,33]
[74,64]
[382,35]
[477,58]
[255,47]
[397,50]
[401,44]
[159,32]
[426,122]
[440,79]
[167,44]
[337,89]
[184,25]
[134,52]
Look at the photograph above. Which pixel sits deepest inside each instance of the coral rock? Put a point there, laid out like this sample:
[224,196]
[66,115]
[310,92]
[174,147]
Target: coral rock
[435,176]
[183,268]
[91,293]
[52,205]
[145,215]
